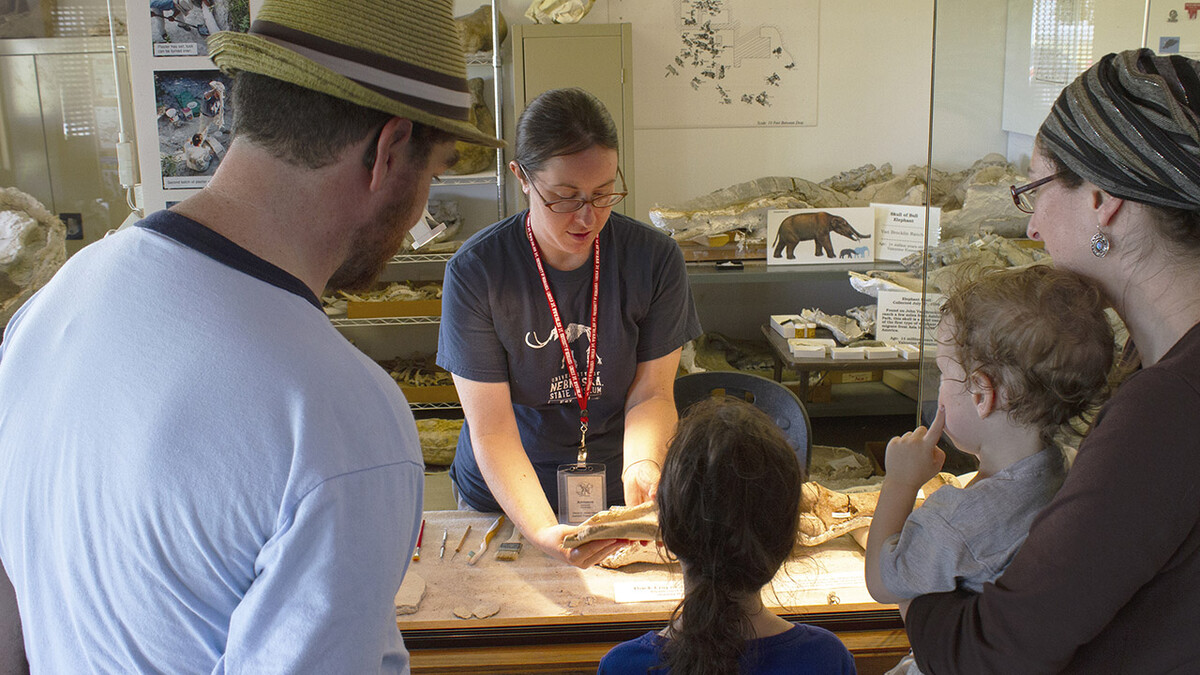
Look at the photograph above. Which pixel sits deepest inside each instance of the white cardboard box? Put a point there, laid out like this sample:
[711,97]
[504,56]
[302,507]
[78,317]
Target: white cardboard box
[847,353]
[880,352]
[808,351]
[785,324]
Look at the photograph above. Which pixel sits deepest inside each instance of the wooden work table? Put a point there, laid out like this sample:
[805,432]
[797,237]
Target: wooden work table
[554,618]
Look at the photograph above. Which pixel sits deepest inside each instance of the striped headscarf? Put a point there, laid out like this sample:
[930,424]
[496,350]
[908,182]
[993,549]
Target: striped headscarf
[1130,124]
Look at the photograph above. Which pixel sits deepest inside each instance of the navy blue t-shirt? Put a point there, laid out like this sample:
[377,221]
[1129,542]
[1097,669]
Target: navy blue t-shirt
[496,327]
[800,650]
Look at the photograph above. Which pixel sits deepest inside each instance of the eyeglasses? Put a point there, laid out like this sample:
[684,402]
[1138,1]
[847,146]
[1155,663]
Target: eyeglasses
[573,205]
[1024,197]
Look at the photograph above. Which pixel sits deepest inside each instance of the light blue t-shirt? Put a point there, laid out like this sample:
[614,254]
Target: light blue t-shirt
[198,473]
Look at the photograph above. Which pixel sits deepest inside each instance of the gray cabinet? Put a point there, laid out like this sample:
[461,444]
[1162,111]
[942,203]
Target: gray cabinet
[595,57]
[59,127]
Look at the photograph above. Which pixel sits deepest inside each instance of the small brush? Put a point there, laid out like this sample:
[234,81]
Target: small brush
[420,535]
[474,556]
[510,549]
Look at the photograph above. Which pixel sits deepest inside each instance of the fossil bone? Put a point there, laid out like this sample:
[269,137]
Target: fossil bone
[824,515]
[639,523]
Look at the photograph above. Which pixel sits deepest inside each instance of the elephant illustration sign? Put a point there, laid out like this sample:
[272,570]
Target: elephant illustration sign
[787,229]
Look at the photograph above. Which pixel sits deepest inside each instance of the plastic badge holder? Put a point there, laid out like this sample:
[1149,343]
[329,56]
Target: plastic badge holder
[581,491]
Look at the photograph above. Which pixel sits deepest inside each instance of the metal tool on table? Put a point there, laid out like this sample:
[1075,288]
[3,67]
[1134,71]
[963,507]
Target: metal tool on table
[460,542]
[442,553]
[474,556]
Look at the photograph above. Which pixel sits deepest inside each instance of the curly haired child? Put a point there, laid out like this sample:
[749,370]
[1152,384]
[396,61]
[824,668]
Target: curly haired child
[1021,352]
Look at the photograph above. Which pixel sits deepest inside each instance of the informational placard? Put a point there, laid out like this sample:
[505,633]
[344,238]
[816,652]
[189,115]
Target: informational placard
[807,236]
[647,591]
[902,230]
[898,316]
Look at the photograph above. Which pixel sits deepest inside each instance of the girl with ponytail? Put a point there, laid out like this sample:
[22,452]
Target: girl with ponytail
[728,506]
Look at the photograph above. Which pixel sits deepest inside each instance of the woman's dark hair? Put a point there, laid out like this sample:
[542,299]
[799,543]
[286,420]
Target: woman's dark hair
[309,128]
[728,506]
[562,122]
[1180,228]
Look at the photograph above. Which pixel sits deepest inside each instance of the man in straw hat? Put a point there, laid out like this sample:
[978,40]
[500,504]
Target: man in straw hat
[197,472]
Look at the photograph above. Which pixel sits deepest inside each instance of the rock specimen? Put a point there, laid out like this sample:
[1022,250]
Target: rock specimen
[637,552]
[973,201]
[558,11]
[824,514]
[475,158]
[839,468]
[412,591]
[638,523]
[32,248]
[475,29]
[480,611]
[439,439]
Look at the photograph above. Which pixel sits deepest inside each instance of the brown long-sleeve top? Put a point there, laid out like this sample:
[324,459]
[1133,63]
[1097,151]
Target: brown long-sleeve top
[1108,580]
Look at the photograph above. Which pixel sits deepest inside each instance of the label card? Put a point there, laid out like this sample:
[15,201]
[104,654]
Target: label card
[647,591]
[901,229]
[898,317]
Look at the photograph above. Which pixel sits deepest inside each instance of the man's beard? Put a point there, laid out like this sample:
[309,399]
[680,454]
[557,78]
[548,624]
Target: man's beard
[373,244]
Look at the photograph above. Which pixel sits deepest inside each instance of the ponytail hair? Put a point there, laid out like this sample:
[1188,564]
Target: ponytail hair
[728,505]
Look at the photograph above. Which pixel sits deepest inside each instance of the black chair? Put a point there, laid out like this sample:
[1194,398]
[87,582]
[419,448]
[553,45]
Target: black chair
[777,401]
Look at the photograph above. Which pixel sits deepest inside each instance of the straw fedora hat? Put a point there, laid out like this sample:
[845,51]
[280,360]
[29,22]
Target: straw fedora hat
[399,56]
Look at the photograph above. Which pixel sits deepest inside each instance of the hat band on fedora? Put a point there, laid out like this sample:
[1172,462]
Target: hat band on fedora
[424,89]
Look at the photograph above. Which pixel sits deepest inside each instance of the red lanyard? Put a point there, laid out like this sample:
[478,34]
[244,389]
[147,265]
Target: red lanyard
[582,390]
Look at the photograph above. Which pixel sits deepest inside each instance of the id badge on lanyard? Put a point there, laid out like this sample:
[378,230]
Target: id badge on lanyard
[582,484]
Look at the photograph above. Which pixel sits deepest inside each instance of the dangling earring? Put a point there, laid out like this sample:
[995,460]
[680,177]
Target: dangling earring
[1100,243]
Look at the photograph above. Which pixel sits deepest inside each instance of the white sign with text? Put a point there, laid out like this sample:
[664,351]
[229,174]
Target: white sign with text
[901,231]
[898,317]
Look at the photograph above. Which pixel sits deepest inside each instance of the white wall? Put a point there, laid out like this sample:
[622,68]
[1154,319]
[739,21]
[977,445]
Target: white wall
[1118,26]
[873,101]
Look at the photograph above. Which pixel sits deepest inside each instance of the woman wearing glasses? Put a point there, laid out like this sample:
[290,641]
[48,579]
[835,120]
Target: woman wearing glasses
[1108,580]
[563,327]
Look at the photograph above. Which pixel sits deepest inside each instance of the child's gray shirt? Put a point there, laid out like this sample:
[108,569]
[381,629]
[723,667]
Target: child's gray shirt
[965,537]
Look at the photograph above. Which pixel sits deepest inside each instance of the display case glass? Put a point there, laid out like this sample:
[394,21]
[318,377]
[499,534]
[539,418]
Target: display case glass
[928,104]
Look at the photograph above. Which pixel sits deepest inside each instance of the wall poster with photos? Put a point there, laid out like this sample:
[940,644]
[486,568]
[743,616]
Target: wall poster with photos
[181,102]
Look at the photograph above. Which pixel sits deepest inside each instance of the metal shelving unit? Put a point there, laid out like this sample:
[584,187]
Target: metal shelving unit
[496,178]
[387,321]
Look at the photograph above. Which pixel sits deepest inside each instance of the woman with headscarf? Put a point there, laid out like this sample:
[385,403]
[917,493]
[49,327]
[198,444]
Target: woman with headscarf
[1108,580]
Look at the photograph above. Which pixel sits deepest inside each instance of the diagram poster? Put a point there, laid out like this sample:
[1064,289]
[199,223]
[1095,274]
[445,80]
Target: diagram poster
[723,63]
